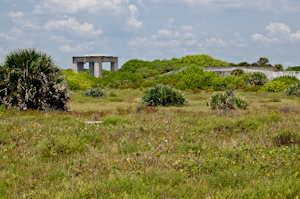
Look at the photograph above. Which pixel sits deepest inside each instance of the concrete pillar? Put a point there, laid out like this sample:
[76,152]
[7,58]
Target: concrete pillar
[91,68]
[98,68]
[112,66]
[80,67]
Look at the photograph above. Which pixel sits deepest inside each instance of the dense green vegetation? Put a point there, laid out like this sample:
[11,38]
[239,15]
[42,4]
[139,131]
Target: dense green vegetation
[295,68]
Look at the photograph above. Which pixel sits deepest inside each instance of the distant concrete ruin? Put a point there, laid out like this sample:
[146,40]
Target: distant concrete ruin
[95,64]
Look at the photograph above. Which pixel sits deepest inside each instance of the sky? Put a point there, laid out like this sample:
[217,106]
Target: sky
[230,30]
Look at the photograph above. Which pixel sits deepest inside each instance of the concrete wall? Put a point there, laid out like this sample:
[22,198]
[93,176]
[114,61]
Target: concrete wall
[226,71]
[270,74]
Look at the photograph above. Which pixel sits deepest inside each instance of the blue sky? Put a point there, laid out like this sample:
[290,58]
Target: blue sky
[229,30]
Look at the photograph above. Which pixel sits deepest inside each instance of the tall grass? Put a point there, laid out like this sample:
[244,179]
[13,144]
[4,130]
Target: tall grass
[157,152]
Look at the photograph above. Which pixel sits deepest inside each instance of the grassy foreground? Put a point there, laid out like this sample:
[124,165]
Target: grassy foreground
[173,152]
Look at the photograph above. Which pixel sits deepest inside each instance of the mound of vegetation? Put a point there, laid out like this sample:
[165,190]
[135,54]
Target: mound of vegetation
[31,80]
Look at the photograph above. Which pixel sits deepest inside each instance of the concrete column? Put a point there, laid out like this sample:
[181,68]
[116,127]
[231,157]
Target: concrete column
[91,68]
[112,66]
[98,68]
[80,67]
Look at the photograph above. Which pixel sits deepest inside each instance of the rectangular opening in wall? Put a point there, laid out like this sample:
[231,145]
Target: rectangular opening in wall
[105,68]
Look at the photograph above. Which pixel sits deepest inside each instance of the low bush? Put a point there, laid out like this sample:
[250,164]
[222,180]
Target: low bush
[293,89]
[227,100]
[163,95]
[274,86]
[94,92]
[148,83]
[279,83]
[257,78]
[237,72]
[79,81]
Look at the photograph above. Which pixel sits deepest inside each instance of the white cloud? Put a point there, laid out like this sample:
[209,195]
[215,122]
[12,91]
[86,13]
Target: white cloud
[165,33]
[74,6]
[60,39]
[15,14]
[75,49]
[214,42]
[71,24]
[277,32]
[132,19]
[187,28]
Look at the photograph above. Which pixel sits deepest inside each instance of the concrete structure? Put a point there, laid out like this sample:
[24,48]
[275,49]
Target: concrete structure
[271,74]
[95,63]
[226,71]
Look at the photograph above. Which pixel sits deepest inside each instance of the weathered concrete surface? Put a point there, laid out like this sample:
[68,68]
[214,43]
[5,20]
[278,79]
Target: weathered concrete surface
[270,74]
[95,63]
[226,71]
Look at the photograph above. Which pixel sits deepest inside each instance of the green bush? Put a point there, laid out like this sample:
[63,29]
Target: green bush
[293,89]
[275,86]
[94,92]
[294,68]
[279,83]
[257,78]
[237,72]
[148,83]
[286,138]
[31,80]
[226,101]
[163,95]
[79,81]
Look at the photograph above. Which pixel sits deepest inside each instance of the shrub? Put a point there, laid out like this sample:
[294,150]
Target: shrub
[163,95]
[293,89]
[79,81]
[94,92]
[257,78]
[274,86]
[226,101]
[148,83]
[31,80]
[237,72]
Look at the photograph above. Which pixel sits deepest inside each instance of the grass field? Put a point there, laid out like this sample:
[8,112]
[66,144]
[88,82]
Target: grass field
[188,151]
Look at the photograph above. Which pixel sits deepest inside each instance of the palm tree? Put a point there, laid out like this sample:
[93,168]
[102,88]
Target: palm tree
[32,80]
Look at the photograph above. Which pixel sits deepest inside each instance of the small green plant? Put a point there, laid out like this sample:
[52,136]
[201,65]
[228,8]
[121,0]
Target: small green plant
[226,101]
[293,89]
[94,92]
[237,72]
[163,95]
[112,94]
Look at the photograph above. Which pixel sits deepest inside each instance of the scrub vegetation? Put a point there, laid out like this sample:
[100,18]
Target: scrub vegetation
[148,146]
[138,151]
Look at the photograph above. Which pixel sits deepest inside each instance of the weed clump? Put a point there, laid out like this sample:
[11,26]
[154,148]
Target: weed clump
[286,138]
[94,92]
[163,95]
[227,100]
